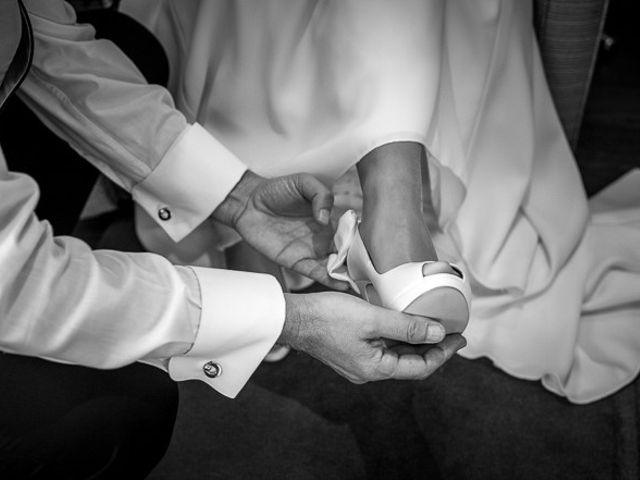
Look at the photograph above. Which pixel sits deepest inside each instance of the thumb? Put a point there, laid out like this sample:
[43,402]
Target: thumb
[408,328]
[318,194]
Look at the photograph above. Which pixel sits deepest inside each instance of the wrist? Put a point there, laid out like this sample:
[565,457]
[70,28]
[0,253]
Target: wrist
[295,307]
[235,203]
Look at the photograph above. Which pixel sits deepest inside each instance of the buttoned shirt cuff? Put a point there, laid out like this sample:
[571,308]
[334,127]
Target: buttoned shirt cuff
[193,178]
[242,317]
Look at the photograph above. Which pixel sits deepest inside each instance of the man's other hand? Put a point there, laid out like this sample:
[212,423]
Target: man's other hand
[286,219]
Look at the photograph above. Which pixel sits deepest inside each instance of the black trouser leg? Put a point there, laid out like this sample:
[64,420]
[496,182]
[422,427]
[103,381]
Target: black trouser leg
[70,422]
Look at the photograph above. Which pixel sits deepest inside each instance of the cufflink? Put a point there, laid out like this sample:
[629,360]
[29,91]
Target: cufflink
[164,214]
[212,369]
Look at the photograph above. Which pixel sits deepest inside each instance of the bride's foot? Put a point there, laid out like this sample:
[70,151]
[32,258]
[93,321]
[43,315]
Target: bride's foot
[394,234]
[439,291]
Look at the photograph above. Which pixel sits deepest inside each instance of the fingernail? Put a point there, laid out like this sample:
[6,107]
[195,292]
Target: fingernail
[435,332]
[323,216]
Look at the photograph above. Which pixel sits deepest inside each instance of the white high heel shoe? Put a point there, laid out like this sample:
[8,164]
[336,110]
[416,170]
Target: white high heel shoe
[445,297]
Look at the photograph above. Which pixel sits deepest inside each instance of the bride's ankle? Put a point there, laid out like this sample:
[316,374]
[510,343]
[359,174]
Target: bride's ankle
[403,211]
[396,240]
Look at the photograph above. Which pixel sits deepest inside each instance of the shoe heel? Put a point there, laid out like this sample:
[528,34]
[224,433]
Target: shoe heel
[444,304]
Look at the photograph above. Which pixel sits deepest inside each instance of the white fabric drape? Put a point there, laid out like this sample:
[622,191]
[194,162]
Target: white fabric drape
[312,86]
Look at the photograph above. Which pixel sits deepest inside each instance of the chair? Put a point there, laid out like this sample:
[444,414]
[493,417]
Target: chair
[569,33]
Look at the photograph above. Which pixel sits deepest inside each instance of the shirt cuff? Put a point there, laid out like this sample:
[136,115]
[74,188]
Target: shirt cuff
[193,178]
[242,317]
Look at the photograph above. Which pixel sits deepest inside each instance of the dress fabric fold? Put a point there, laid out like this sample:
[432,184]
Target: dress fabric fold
[312,86]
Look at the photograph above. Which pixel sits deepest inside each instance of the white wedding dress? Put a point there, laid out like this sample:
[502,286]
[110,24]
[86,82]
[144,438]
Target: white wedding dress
[311,86]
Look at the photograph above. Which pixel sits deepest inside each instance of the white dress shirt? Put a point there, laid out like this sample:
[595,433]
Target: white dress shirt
[93,96]
[61,301]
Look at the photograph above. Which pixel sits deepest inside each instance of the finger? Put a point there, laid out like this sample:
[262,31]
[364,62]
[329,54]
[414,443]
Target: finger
[320,196]
[417,363]
[435,357]
[404,348]
[407,328]
[317,270]
[334,284]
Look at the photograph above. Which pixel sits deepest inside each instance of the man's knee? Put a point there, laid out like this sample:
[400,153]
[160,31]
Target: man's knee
[120,427]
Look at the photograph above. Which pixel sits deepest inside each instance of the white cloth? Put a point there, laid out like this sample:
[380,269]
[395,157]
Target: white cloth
[313,86]
[343,239]
[61,301]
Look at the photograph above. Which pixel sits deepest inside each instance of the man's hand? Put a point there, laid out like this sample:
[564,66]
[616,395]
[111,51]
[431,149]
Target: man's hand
[286,219]
[349,335]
